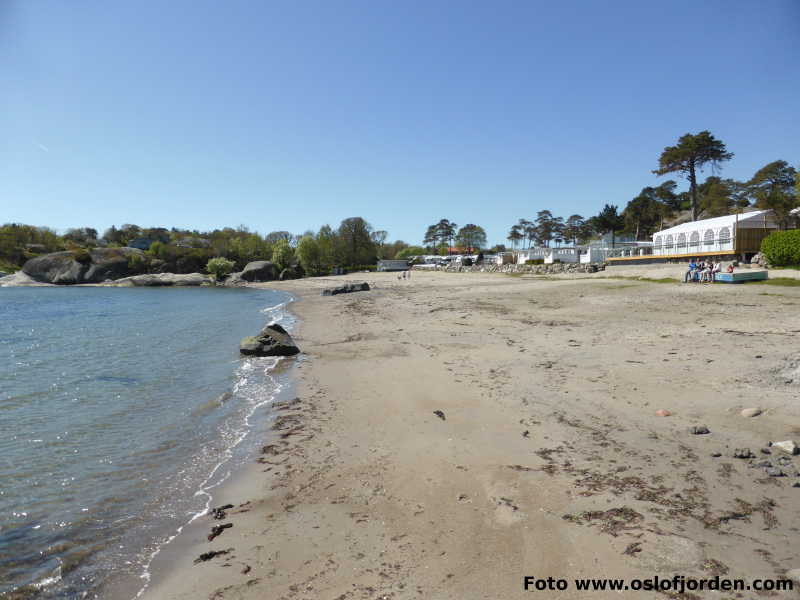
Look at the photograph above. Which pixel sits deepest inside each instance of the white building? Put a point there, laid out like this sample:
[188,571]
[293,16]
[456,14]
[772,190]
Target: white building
[730,234]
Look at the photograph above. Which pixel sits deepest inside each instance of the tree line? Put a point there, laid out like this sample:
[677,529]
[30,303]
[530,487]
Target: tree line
[774,186]
[353,244]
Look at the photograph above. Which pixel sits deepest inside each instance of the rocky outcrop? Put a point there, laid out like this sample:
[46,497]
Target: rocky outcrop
[163,279]
[86,266]
[20,279]
[259,270]
[346,289]
[273,340]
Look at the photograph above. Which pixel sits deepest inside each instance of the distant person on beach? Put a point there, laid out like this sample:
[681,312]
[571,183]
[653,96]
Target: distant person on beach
[690,273]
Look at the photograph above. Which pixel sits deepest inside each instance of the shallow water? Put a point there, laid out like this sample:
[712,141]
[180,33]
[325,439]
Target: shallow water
[117,408]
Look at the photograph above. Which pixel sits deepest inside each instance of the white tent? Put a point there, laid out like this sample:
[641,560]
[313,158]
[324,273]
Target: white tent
[710,235]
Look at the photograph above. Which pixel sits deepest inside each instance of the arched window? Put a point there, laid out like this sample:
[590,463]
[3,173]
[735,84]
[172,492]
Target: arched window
[724,235]
[708,237]
[657,242]
[668,242]
[694,240]
[681,240]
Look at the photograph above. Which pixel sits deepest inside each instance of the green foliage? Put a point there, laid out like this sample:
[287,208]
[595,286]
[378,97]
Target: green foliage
[773,187]
[471,238]
[534,261]
[782,247]
[309,255]
[689,155]
[219,267]
[137,263]
[411,251]
[282,254]
[82,256]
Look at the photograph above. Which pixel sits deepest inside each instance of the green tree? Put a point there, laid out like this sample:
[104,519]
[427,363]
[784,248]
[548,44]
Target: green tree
[546,227]
[690,155]
[645,213]
[609,221]
[773,187]
[219,267]
[717,196]
[574,228]
[515,235]
[471,237]
[309,255]
[282,254]
[355,242]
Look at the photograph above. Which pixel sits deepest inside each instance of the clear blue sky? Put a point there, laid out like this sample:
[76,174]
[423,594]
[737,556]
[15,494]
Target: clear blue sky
[288,115]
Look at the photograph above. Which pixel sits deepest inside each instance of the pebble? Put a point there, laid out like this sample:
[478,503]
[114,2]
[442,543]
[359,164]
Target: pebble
[662,412]
[699,430]
[751,412]
[742,453]
[766,451]
[716,454]
[787,446]
[774,472]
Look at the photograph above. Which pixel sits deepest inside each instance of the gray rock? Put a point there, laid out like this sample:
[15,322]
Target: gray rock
[272,341]
[346,289]
[742,453]
[259,270]
[766,451]
[699,430]
[163,279]
[774,472]
[716,454]
[86,266]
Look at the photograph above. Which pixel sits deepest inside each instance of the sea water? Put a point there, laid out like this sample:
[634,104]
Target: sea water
[120,410]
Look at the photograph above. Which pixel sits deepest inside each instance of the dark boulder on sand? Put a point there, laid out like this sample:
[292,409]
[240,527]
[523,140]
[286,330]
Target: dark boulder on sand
[272,341]
[86,266]
[346,289]
[259,270]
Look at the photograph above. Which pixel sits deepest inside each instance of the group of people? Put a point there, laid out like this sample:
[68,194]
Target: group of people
[704,271]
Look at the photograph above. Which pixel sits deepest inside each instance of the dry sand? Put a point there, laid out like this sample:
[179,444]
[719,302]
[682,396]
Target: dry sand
[550,462]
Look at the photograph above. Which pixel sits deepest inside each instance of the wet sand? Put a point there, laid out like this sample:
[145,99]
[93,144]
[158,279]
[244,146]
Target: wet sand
[550,460]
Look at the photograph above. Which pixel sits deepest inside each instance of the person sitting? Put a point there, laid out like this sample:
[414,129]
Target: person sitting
[716,269]
[690,273]
[730,268]
[707,267]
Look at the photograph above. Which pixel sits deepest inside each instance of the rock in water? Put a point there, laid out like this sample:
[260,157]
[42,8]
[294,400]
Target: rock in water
[751,412]
[346,289]
[788,446]
[272,341]
[259,270]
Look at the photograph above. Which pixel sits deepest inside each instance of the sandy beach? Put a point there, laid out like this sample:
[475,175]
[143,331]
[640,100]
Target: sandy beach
[548,458]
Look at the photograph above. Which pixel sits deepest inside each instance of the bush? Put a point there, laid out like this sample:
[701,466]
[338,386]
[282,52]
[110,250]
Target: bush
[82,256]
[782,248]
[219,267]
[535,261]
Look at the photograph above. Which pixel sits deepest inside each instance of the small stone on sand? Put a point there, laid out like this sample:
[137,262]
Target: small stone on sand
[662,412]
[699,430]
[787,446]
[751,412]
